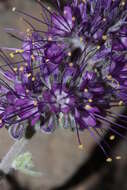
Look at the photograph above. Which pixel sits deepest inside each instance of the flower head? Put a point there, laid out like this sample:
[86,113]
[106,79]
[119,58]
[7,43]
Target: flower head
[71,74]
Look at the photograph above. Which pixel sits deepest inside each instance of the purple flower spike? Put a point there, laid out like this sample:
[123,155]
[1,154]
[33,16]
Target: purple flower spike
[71,75]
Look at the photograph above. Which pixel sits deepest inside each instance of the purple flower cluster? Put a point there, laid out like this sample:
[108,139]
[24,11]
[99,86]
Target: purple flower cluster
[70,74]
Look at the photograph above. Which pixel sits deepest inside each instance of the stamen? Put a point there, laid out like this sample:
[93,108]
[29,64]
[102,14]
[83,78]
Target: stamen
[118,157]
[15,69]
[33,78]
[73,18]
[120,103]
[29,75]
[88,107]
[12,55]
[71,64]
[85,90]
[109,160]
[0,121]
[104,37]
[35,103]
[21,68]
[90,100]
[13,9]
[81,147]
[69,54]
[98,47]
[112,137]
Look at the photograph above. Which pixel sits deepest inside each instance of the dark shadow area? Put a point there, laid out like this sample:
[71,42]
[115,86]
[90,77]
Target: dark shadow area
[96,161]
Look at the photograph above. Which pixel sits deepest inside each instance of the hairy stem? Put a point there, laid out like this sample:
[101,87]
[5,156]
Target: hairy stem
[15,150]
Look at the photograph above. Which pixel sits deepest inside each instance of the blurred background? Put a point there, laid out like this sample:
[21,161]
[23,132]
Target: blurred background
[64,166]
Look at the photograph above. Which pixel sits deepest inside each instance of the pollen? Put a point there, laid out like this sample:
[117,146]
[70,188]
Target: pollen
[26,64]
[49,8]
[104,37]
[118,157]
[12,55]
[87,107]
[47,60]
[109,160]
[90,100]
[33,78]
[27,91]
[0,121]
[81,146]
[69,54]
[98,47]
[123,3]
[29,75]
[15,69]
[104,19]
[112,137]
[73,18]
[71,64]
[120,103]
[81,39]
[13,9]
[65,12]
[50,38]
[32,57]
[28,30]
[85,90]
[35,103]
[109,77]
[21,51]
[21,68]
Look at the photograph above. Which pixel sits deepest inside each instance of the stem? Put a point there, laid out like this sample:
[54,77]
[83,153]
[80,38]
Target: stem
[15,150]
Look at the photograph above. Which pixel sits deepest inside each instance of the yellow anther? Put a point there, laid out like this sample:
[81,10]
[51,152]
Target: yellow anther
[120,103]
[49,8]
[118,157]
[104,19]
[0,121]
[47,60]
[21,51]
[65,12]
[35,103]
[21,68]
[71,64]
[32,57]
[112,137]
[81,39]
[87,107]
[109,160]
[15,69]
[13,9]
[123,3]
[98,47]
[109,77]
[29,75]
[73,18]
[28,30]
[81,146]
[90,100]
[50,38]
[104,37]
[26,64]
[85,90]
[33,78]
[12,55]
[27,91]
[69,54]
